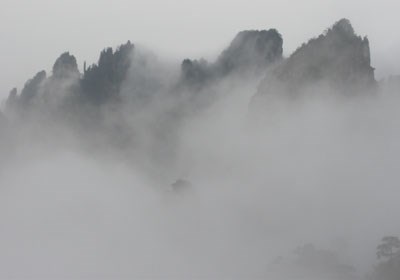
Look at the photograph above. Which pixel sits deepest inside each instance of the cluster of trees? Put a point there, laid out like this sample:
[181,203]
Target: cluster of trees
[388,252]
[310,262]
[322,262]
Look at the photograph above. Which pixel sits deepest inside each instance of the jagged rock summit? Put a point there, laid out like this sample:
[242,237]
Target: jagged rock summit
[250,50]
[98,84]
[65,67]
[339,59]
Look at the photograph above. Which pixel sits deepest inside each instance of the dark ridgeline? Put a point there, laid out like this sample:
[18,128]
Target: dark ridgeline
[102,82]
[65,67]
[248,55]
[338,60]
[11,101]
[249,51]
[31,90]
[339,57]
[67,88]
[196,87]
[41,90]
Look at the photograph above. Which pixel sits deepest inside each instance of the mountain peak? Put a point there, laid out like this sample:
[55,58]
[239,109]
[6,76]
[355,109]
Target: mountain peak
[338,59]
[65,66]
[252,48]
[343,26]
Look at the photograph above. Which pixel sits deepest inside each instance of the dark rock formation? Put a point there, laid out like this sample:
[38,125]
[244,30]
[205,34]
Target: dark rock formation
[102,82]
[248,56]
[32,89]
[338,59]
[12,99]
[181,186]
[249,51]
[65,67]
[196,73]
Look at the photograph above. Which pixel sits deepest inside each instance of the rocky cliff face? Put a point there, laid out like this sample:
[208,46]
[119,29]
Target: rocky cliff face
[45,93]
[32,89]
[66,86]
[338,59]
[102,82]
[251,50]
[65,67]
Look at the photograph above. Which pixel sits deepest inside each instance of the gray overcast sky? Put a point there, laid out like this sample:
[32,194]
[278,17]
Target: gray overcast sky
[35,33]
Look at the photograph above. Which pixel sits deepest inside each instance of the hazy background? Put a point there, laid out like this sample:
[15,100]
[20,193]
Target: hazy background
[321,169]
[35,33]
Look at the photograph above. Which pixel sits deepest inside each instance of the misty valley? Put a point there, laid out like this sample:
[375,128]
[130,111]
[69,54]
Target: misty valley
[254,165]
